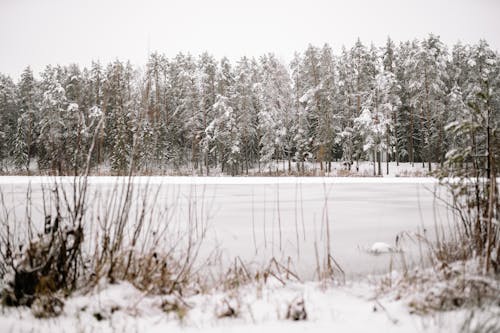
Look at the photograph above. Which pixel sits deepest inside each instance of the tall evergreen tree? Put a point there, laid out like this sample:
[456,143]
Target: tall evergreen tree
[8,117]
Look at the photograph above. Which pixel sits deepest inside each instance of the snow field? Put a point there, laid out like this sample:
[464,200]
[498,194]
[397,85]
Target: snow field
[262,307]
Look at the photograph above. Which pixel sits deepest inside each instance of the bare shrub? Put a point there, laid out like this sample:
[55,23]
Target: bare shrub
[481,321]
[122,235]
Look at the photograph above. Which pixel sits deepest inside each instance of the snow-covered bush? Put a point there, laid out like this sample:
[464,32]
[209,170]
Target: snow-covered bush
[45,266]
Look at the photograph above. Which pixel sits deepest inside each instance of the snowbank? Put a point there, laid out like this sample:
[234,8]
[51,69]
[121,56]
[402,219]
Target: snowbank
[258,307]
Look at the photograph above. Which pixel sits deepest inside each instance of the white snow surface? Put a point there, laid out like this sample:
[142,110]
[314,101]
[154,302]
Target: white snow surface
[260,308]
[381,247]
[188,180]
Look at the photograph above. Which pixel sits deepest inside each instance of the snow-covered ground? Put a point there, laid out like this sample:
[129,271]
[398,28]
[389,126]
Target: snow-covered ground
[258,307]
[359,169]
[274,168]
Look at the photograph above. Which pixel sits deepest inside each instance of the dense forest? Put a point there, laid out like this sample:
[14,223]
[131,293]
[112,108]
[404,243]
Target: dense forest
[417,101]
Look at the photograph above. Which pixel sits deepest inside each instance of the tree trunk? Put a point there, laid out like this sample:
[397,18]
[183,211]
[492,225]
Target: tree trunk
[379,157]
[374,162]
[387,151]
[410,141]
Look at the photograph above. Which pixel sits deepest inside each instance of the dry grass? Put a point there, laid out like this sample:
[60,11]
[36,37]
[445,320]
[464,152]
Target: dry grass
[462,270]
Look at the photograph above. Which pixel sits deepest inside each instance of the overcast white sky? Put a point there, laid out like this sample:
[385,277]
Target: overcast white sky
[41,32]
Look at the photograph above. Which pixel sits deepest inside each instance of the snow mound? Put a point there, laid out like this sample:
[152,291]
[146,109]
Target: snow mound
[381,247]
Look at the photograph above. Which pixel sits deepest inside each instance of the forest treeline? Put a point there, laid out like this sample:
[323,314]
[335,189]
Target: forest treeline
[417,101]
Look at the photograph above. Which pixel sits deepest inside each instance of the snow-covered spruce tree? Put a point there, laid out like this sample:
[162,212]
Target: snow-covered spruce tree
[476,154]
[301,138]
[117,132]
[266,129]
[457,84]
[364,72]
[409,124]
[329,125]
[225,81]
[26,132]
[474,124]
[284,103]
[357,70]
[224,133]
[20,149]
[311,84]
[389,59]
[483,101]
[275,113]
[77,136]
[8,117]
[374,124]
[257,105]
[194,124]
[187,132]
[153,126]
[346,83]
[144,144]
[370,132]
[57,120]
[216,80]
[94,90]
[207,67]
[182,130]
[246,116]
[386,104]
[90,109]
[428,94]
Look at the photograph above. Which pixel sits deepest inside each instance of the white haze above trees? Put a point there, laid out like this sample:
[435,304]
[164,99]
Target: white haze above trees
[418,101]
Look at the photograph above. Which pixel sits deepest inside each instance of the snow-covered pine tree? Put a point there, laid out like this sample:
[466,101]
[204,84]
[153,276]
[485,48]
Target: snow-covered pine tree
[153,122]
[389,103]
[168,110]
[8,117]
[300,129]
[389,59]
[57,123]
[246,115]
[311,82]
[225,134]
[479,123]
[364,72]
[77,135]
[275,114]
[409,133]
[346,104]
[225,80]
[457,79]
[329,119]
[185,127]
[207,67]
[117,131]
[26,133]
[386,104]
[429,92]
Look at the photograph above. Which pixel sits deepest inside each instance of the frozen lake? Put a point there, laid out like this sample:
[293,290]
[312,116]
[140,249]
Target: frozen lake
[260,218]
